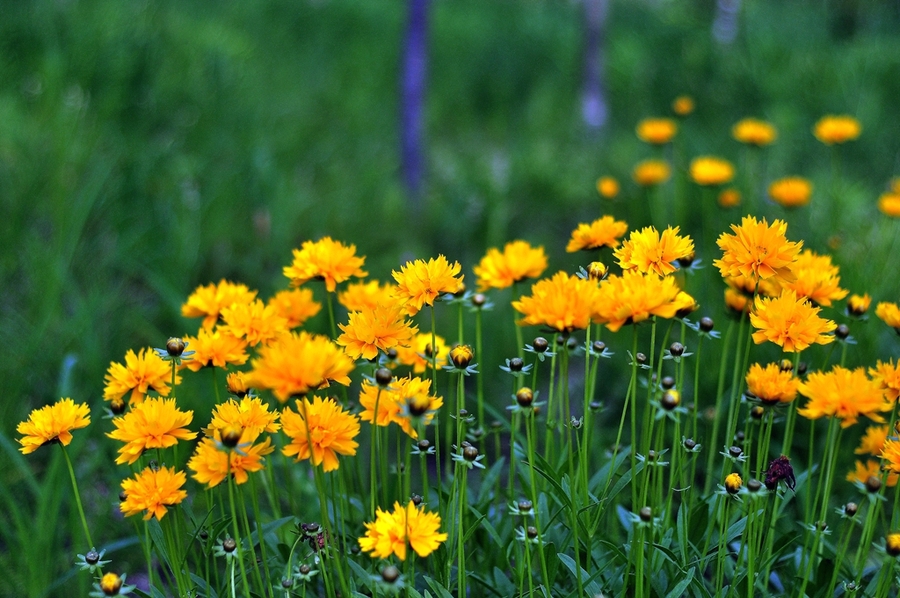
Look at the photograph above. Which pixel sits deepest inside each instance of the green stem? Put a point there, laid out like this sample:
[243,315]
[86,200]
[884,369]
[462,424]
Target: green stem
[87,532]
[235,530]
[720,389]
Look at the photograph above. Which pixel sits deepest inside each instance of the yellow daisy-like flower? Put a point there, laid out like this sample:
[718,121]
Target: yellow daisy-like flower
[254,322]
[750,287]
[657,131]
[392,532]
[729,198]
[327,260]
[858,305]
[683,105]
[211,462]
[518,261]
[418,354]
[710,170]
[419,283]
[842,393]
[154,423]
[237,384]
[294,364]
[872,442]
[405,402]
[791,192]
[634,297]
[757,250]
[816,279]
[215,348]
[250,415]
[890,456]
[152,491]
[382,328]
[563,303]
[603,232]
[52,423]
[321,430]
[360,296]
[889,313]
[889,204]
[295,305]
[789,322]
[733,483]
[771,384]
[833,129]
[650,173]
[648,251]
[736,301]
[754,132]
[887,374]
[864,471]
[607,187]
[141,372]
[208,301]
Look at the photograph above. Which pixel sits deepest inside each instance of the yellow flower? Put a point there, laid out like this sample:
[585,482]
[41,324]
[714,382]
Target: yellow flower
[406,402]
[359,296]
[789,322]
[461,356]
[683,105]
[892,544]
[634,297]
[211,462]
[602,232]
[110,584]
[843,393]
[647,251]
[418,355]
[657,131]
[858,306]
[391,532]
[736,301]
[889,204]
[208,301]
[889,313]
[864,471]
[887,374]
[237,384]
[754,132]
[757,250]
[563,302]
[709,170]
[518,261]
[833,129]
[733,483]
[215,348]
[294,364]
[327,260]
[729,198]
[419,283]
[153,491]
[371,330]
[791,192]
[890,456]
[771,385]
[154,423]
[651,172]
[816,279]
[249,414]
[52,423]
[607,187]
[295,305]
[872,442]
[321,430]
[140,373]
[254,322]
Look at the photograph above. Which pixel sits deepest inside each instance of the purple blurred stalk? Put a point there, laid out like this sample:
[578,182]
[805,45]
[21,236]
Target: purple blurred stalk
[593,101]
[412,94]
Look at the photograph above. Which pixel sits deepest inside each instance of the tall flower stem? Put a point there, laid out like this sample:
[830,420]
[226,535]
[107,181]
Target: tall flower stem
[236,531]
[373,454]
[530,440]
[720,389]
[721,555]
[573,503]
[257,516]
[462,470]
[480,379]
[87,532]
[740,367]
[520,344]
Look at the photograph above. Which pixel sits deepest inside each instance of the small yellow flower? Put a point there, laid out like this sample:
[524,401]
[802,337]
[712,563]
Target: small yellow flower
[634,297]
[863,471]
[250,415]
[254,322]
[325,259]
[518,261]
[733,483]
[607,187]
[887,374]
[889,204]
[892,544]
[603,232]
[683,105]
[872,442]
[461,356]
[215,348]
[420,283]
[736,301]
[208,301]
[858,305]
[729,198]
[359,296]
[710,170]
[757,250]
[110,584]
[418,354]
[382,328]
[650,173]
[647,251]
[657,131]
[154,423]
[391,532]
[791,192]
[295,305]
[320,431]
[152,491]
[833,129]
[754,132]
[211,462]
[562,302]
[789,322]
[405,402]
[141,372]
[771,384]
[52,423]
[815,278]
[842,393]
[889,313]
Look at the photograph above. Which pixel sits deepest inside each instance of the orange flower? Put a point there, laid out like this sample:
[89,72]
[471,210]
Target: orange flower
[647,251]
[887,374]
[602,232]
[889,313]
[890,456]
[327,260]
[215,348]
[889,204]
[657,131]
[321,430]
[154,423]
[212,462]
[634,297]
[518,261]
[607,187]
[771,385]
[729,198]
[563,302]
[371,330]
[858,306]
[833,129]
[52,423]
[736,301]
[140,373]
[650,173]
[683,105]
[789,322]
[405,402]
[757,250]
[359,296]
[295,305]
[208,301]
[872,442]
[710,170]
[816,279]
[791,192]
[391,532]
[250,415]
[754,132]
[419,283]
[254,322]
[418,355]
[864,471]
[842,393]
[152,491]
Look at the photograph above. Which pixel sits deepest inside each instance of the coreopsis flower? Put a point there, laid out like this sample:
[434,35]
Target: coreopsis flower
[296,306]
[215,348]
[295,363]
[254,322]
[733,483]
[420,283]
[729,198]
[141,372]
[890,455]
[833,129]
[657,131]
[518,261]
[791,192]
[607,187]
[381,328]
[815,278]
[863,471]
[753,131]
[771,384]
[603,232]
[889,313]
[359,296]
[52,423]
[327,260]
[710,170]
[647,251]
[683,105]
[842,393]
[634,297]
[889,204]
[857,305]
[320,430]
[208,301]
[154,423]
[789,322]
[750,286]
[419,354]
[650,173]
[887,374]
[406,402]
[757,250]
[872,442]
[562,302]
[250,415]
[737,302]
[212,462]
[151,491]
[236,382]
[410,525]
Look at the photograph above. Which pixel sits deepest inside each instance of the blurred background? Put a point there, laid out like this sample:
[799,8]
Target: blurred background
[147,147]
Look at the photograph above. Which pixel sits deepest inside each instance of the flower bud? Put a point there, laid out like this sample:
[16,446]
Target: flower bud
[391,354]
[785,365]
[229,545]
[117,406]
[461,356]
[754,486]
[598,346]
[383,376]
[641,358]
[735,452]
[597,271]
[850,509]
[532,532]
[689,444]
[516,364]
[424,445]
[540,344]
[110,584]
[646,514]
[670,399]
[676,349]
[892,544]
[525,506]
[287,583]
[668,382]
[416,499]
[524,397]
[842,331]
[231,435]
[757,412]
[175,347]
[706,324]
[479,299]
[873,484]
[92,557]
[687,260]
[470,453]
[733,483]
[390,574]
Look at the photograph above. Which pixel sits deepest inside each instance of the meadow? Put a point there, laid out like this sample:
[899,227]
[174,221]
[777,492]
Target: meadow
[197,202]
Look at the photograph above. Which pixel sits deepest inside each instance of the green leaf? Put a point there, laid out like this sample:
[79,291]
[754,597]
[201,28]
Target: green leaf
[681,586]
[592,587]
[440,590]
[489,481]
[206,589]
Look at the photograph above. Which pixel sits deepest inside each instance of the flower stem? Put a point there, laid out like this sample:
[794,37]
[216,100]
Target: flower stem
[87,532]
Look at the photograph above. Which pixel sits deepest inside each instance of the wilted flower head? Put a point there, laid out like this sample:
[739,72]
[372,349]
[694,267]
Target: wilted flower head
[327,260]
[833,129]
[518,261]
[754,132]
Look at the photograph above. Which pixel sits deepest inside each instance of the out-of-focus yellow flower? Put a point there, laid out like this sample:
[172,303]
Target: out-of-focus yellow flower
[857,305]
[890,456]
[771,384]
[737,302]
[683,105]
[359,296]
[208,301]
[154,423]
[295,305]
[833,129]
[889,204]
[872,442]
[141,372]
[887,374]
[562,302]
[518,261]
[420,283]
[789,322]
[647,251]
[733,483]
[152,491]
[889,313]
[392,531]
[650,173]
[729,198]
[325,259]
[753,131]
[215,348]
[842,393]
[634,297]
[816,278]
[657,131]
[418,354]
[710,170]
[382,328]
[757,250]
[791,192]
[863,471]
[406,402]
[603,232]
[320,430]
[607,187]
[294,364]
[52,423]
